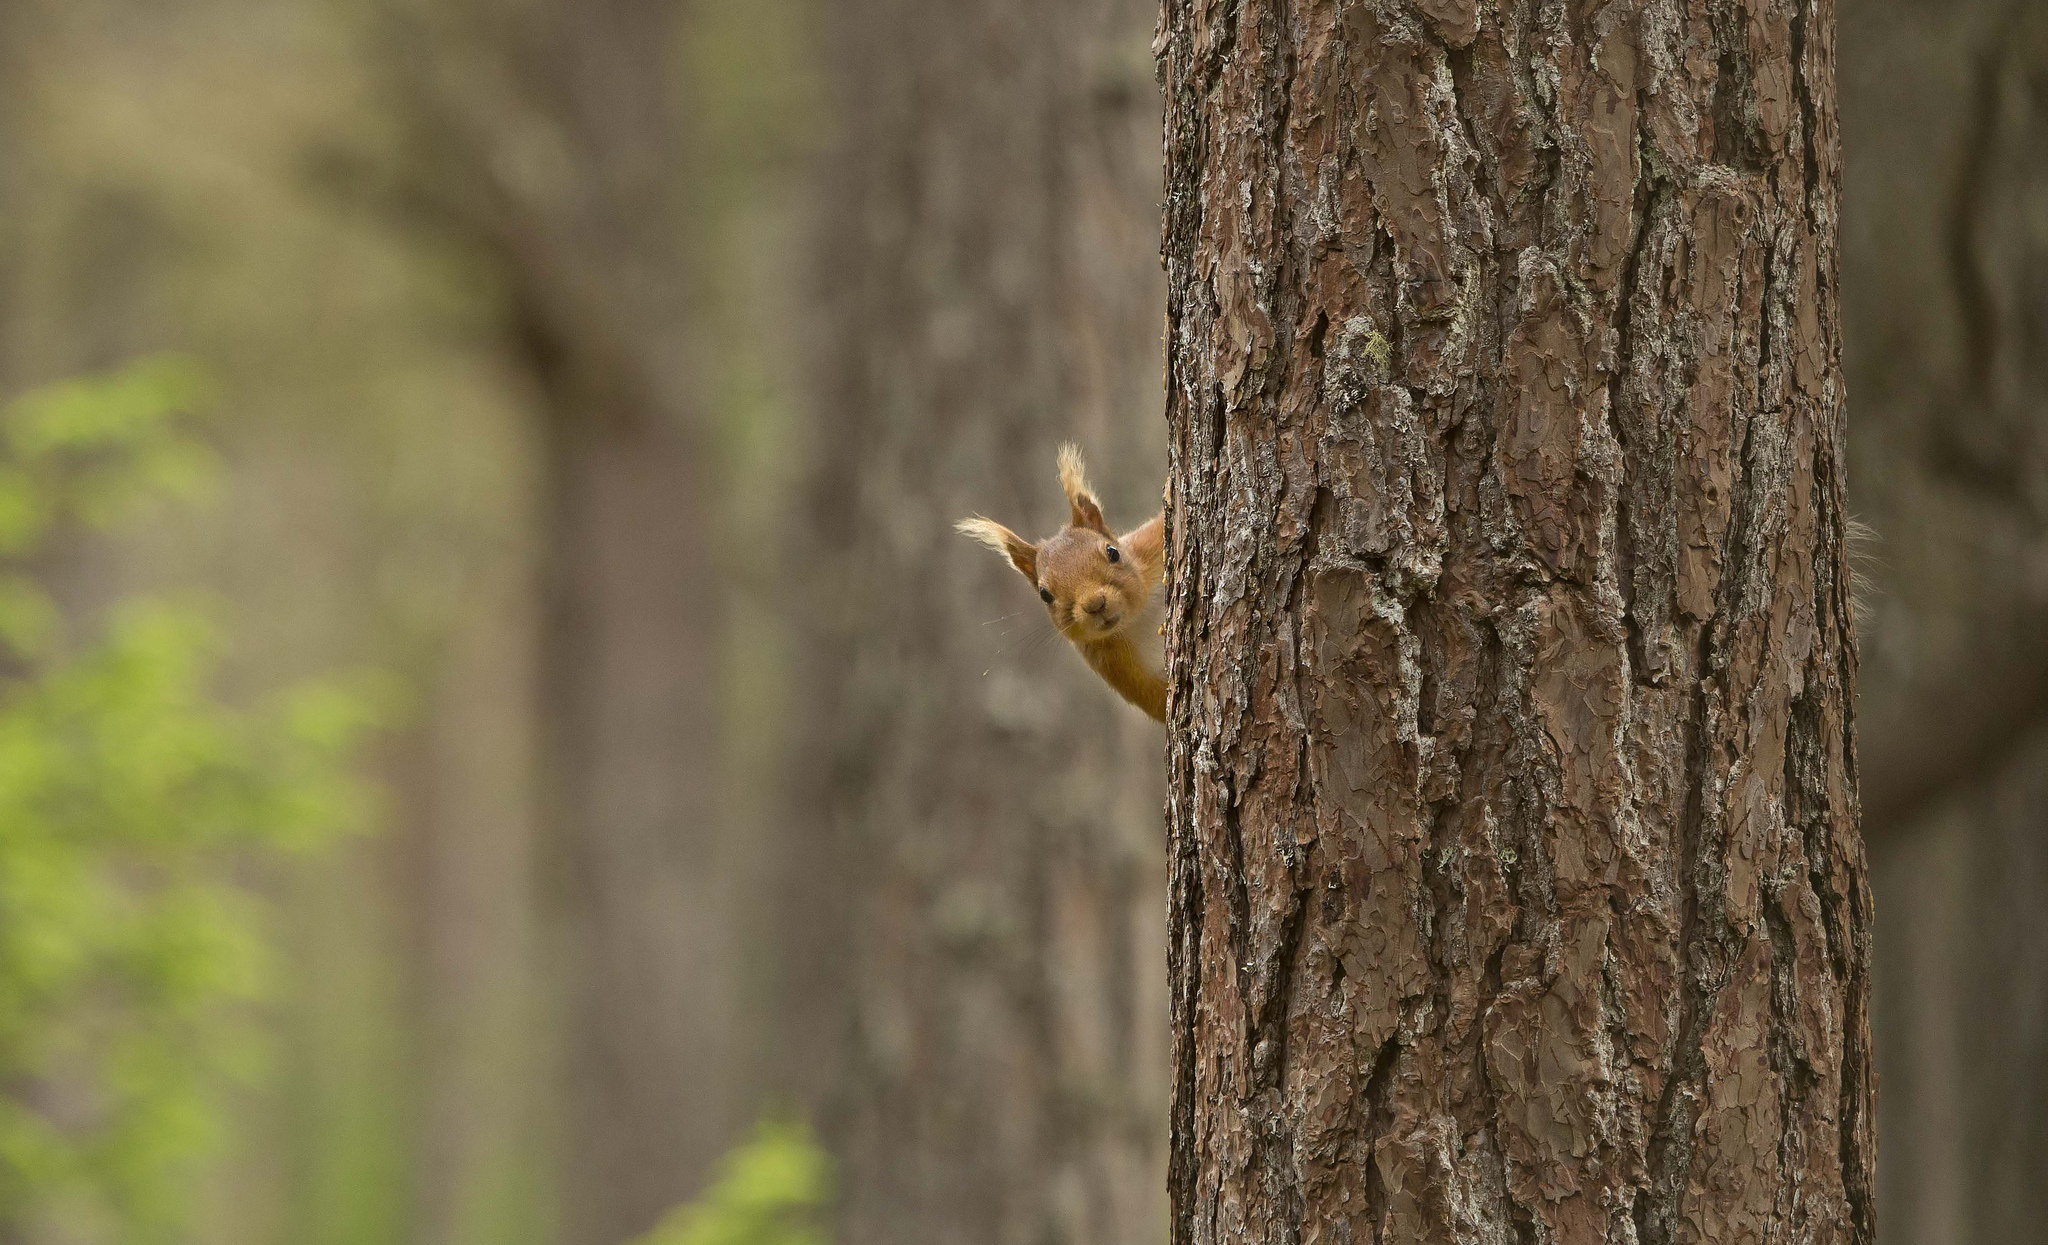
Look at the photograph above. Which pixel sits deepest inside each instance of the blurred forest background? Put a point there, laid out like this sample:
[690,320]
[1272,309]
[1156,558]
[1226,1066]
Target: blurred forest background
[623,750]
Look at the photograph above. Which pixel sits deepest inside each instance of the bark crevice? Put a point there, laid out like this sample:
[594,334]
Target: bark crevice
[1505,392]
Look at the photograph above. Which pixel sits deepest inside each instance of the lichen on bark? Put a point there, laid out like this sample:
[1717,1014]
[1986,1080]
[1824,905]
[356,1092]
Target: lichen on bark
[1517,891]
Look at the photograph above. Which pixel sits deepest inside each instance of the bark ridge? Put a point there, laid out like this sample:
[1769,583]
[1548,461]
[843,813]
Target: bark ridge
[1517,892]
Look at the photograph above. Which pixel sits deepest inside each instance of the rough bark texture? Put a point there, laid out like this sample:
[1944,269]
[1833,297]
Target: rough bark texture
[1517,891]
[992,809]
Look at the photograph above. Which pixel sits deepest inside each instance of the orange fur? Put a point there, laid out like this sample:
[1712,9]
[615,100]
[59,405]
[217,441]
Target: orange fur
[1093,600]
[1117,661]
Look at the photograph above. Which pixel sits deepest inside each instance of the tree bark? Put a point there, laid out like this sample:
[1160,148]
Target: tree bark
[987,898]
[1517,891]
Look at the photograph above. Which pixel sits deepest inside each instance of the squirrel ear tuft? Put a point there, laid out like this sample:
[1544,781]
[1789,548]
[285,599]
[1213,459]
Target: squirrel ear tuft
[1084,510]
[1022,553]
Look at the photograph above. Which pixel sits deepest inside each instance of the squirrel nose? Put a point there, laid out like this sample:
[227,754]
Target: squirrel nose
[1097,603]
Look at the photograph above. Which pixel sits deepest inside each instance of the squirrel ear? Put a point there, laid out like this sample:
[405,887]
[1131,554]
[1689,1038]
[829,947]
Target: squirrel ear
[1085,510]
[1022,553]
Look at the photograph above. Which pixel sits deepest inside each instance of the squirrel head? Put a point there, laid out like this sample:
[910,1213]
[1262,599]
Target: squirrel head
[1089,587]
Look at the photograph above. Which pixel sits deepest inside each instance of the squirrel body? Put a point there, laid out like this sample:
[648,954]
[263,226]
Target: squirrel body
[1095,584]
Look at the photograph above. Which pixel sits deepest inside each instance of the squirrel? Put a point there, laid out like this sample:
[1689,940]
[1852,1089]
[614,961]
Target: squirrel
[1095,584]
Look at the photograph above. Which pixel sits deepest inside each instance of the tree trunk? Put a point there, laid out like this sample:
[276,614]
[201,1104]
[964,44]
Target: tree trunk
[460,855]
[648,972]
[1945,110]
[1949,131]
[1962,985]
[1517,891]
[993,857]
[556,139]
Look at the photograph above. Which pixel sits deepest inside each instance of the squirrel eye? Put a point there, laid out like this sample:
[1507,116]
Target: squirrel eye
[1045,594]
[1113,554]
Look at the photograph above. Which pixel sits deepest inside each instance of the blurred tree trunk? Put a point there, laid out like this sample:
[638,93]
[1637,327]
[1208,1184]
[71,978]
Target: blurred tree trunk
[464,846]
[984,914]
[1517,889]
[1945,268]
[1949,285]
[1962,989]
[650,1003]
[555,137]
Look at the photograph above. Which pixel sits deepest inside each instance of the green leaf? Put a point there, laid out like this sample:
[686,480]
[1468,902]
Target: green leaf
[128,952]
[24,511]
[29,622]
[769,1191]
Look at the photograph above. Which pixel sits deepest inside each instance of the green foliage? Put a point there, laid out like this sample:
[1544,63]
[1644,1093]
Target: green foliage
[768,1192]
[129,798]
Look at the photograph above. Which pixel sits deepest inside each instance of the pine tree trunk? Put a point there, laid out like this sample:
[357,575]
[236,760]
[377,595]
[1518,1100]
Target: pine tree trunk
[1517,891]
[987,899]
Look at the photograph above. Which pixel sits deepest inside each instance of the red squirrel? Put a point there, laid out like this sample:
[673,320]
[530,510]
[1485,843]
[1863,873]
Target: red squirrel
[1095,584]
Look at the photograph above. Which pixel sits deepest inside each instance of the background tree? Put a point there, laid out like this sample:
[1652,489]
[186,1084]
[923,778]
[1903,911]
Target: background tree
[1516,878]
[129,948]
[556,138]
[988,811]
[220,177]
[162,192]
[192,174]
[1945,118]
